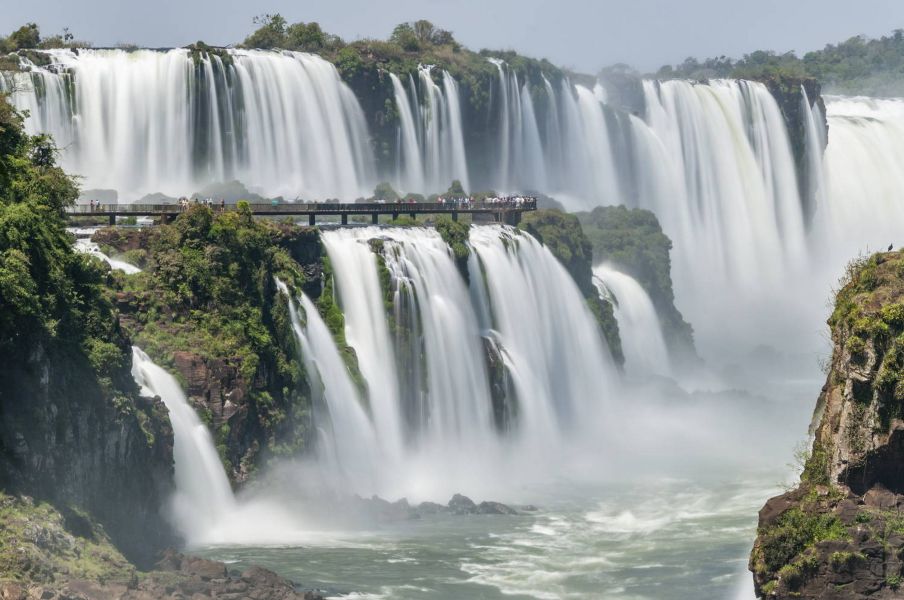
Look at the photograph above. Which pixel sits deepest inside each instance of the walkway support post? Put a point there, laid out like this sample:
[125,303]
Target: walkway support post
[311,220]
[345,218]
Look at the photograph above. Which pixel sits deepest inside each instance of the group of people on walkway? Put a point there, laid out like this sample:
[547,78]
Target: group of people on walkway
[504,200]
[184,203]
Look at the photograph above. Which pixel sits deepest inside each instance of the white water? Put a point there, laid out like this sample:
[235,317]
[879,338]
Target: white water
[203,496]
[560,368]
[146,121]
[89,247]
[864,208]
[434,420]
[431,140]
[638,324]
[348,442]
[713,161]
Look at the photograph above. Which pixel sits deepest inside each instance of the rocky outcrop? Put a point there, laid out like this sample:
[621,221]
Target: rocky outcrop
[73,439]
[48,555]
[632,240]
[840,533]
[220,325]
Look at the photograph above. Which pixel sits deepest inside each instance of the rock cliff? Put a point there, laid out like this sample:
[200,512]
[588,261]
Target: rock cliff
[840,533]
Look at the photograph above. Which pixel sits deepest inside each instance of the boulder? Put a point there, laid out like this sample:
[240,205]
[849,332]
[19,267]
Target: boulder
[462,505]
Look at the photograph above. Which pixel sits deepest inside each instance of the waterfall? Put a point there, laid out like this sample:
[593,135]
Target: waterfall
[864,177]
[283,123]
[816,140]
[559,364]
[203,497]
[431,137]
[89,247]
[410,163]
[348,442]
[421,333]
[357,282]
[638,324]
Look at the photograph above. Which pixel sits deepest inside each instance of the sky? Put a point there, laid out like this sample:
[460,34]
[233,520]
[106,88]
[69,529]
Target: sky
[584,35]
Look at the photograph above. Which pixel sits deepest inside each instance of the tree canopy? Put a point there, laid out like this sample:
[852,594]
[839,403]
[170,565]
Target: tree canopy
[859,64]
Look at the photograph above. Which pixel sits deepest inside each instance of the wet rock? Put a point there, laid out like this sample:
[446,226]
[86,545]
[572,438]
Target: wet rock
[495,508]
[431,508]
[461,505]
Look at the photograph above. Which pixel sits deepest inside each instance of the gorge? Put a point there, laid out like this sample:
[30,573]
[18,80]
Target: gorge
[308,399]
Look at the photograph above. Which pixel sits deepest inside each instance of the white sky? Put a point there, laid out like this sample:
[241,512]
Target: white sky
[581,34]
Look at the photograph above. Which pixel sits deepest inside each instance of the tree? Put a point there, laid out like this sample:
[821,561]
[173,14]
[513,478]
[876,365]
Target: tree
[271,32]
[404,36]
[305,36]
[456,189]
[443,37]
[27,36]
[384,191]
[424,30]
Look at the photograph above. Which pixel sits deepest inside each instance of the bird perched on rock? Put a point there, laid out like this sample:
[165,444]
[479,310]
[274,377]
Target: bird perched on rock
[890,246]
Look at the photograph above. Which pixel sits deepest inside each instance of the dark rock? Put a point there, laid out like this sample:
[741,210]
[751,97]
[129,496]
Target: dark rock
[207,570]
[495,508]
[461,505]
[844,539]
[879,497]
[431,508]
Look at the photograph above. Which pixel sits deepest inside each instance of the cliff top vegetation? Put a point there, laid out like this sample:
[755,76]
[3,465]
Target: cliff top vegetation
[859,65]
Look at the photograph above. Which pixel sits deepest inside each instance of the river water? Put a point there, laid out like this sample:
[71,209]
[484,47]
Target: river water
[673,516]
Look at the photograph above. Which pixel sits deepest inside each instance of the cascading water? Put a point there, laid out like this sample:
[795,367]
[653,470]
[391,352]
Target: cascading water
[713,161]
[864,177]
[431,402]
[431,139]
[140,122]
[348,442]
[559,365]
[89,247]
[203,498]
[638,324]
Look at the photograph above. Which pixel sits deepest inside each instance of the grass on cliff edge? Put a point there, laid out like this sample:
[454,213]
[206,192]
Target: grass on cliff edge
[38,544]
[869,309]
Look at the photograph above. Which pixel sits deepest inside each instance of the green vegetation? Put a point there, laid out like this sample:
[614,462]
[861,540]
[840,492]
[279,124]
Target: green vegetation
[39,544]
[816,466]
[28,37]
[384,191]
[208,289]
[869,317]
[50,293]
[455,234]
[365,65]
[858,65]
[782,546]
[632,240]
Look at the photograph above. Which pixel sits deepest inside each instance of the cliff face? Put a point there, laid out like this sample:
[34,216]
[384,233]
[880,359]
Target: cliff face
[206,307]
[77,441]
[840,533]
[632,239]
